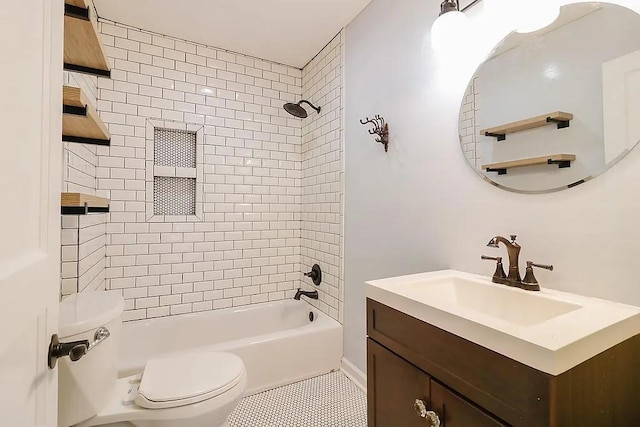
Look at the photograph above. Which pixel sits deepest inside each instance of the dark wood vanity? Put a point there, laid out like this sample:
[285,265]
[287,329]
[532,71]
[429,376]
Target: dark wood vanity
[413,365]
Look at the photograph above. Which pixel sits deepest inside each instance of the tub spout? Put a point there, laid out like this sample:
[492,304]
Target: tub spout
[312,295]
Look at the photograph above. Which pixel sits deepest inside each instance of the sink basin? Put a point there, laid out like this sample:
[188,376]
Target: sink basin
[501,302]
[551,331]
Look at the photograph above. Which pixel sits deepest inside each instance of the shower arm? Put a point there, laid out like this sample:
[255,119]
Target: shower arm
[310,105]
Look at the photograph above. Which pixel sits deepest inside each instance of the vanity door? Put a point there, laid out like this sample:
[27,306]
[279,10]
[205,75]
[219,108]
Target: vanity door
[454,411]
[397,390]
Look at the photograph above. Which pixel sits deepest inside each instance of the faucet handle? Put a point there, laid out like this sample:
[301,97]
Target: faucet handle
[498,276]
[533,264]
[529,280]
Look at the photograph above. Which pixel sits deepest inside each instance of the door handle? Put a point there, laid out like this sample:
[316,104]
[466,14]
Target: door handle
[75,350]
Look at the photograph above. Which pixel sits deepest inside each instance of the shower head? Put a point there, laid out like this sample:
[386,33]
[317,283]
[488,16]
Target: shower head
[296,110]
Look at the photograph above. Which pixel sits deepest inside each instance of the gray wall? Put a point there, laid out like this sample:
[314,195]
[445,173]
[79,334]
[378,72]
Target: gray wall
[420,207]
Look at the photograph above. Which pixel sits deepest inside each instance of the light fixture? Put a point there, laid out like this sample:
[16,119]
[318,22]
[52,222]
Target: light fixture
[448,30]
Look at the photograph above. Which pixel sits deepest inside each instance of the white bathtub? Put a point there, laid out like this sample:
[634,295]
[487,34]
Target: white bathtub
[277,341]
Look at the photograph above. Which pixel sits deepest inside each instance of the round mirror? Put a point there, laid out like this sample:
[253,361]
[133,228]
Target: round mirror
[552,109]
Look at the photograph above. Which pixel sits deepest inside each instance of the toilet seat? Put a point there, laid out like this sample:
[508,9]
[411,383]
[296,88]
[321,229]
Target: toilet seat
[188,378]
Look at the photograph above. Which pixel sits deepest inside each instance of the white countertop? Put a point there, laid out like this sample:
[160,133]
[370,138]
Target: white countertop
[554,345]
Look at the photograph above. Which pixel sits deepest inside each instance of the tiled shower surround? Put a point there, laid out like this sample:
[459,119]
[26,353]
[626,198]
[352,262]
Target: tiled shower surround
[322,181]
[245,247]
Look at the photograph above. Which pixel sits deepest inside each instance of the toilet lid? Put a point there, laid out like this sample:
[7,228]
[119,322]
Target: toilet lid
[187,378]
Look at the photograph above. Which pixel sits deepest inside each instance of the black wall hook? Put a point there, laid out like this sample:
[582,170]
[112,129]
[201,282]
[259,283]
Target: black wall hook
[381,129]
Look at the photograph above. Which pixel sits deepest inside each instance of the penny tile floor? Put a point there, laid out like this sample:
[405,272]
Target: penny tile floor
[330,400]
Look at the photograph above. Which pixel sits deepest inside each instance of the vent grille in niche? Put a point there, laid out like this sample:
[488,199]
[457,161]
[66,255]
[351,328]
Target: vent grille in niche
[174,196]
[176,148]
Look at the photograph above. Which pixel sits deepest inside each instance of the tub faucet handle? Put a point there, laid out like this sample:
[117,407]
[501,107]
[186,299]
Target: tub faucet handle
[315,274]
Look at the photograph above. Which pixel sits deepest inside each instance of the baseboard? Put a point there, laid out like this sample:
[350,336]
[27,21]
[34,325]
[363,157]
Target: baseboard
[354,374]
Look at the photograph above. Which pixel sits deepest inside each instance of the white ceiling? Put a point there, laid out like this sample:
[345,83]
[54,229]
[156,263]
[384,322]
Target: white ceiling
[290,32]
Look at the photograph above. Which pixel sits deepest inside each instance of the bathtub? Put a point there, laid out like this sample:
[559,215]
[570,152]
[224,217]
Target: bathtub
[277,341]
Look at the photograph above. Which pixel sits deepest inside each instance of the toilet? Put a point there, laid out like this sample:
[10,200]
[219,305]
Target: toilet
[196,388]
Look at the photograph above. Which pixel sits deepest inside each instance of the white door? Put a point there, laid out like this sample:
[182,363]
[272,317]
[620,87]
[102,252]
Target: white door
[621,102]
[31,42]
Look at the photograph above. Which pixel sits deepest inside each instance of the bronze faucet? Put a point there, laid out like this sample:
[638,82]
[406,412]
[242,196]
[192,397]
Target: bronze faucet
[513,251]
[513,278]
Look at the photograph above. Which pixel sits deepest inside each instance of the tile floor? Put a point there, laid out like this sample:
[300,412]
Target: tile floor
[330,400]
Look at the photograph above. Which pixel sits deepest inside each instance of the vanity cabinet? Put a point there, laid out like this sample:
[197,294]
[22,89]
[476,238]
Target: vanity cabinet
[400,390]
[467,385]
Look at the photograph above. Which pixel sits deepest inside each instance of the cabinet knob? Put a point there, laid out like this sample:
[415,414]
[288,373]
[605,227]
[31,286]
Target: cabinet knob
[430,416]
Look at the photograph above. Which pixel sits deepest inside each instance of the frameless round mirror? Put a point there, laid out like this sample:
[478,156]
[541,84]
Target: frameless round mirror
[552,109]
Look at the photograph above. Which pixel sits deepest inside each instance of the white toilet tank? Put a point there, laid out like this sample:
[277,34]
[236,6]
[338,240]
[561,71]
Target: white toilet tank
[85,386]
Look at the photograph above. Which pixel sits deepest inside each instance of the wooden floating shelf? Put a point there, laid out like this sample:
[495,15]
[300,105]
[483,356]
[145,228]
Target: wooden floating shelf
[80,120]
[562,160]
[560,118]
[83,51]
[82,204]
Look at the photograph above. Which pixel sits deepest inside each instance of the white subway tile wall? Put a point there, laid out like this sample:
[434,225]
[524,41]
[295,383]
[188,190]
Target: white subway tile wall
[246,248]
[469,128]
[83,253]
[322,170]
[272,184]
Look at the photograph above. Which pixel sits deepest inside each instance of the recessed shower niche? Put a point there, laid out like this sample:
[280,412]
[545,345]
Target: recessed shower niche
[552,109]
[174,170]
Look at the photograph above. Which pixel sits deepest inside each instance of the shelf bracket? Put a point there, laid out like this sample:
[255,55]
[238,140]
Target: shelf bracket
[76,111]
[87,70]
[82,210]
[75,210]
[561,123]
[83,140]
[561,163]
[499,136]
[500,171]
[99,209]
[77,12]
